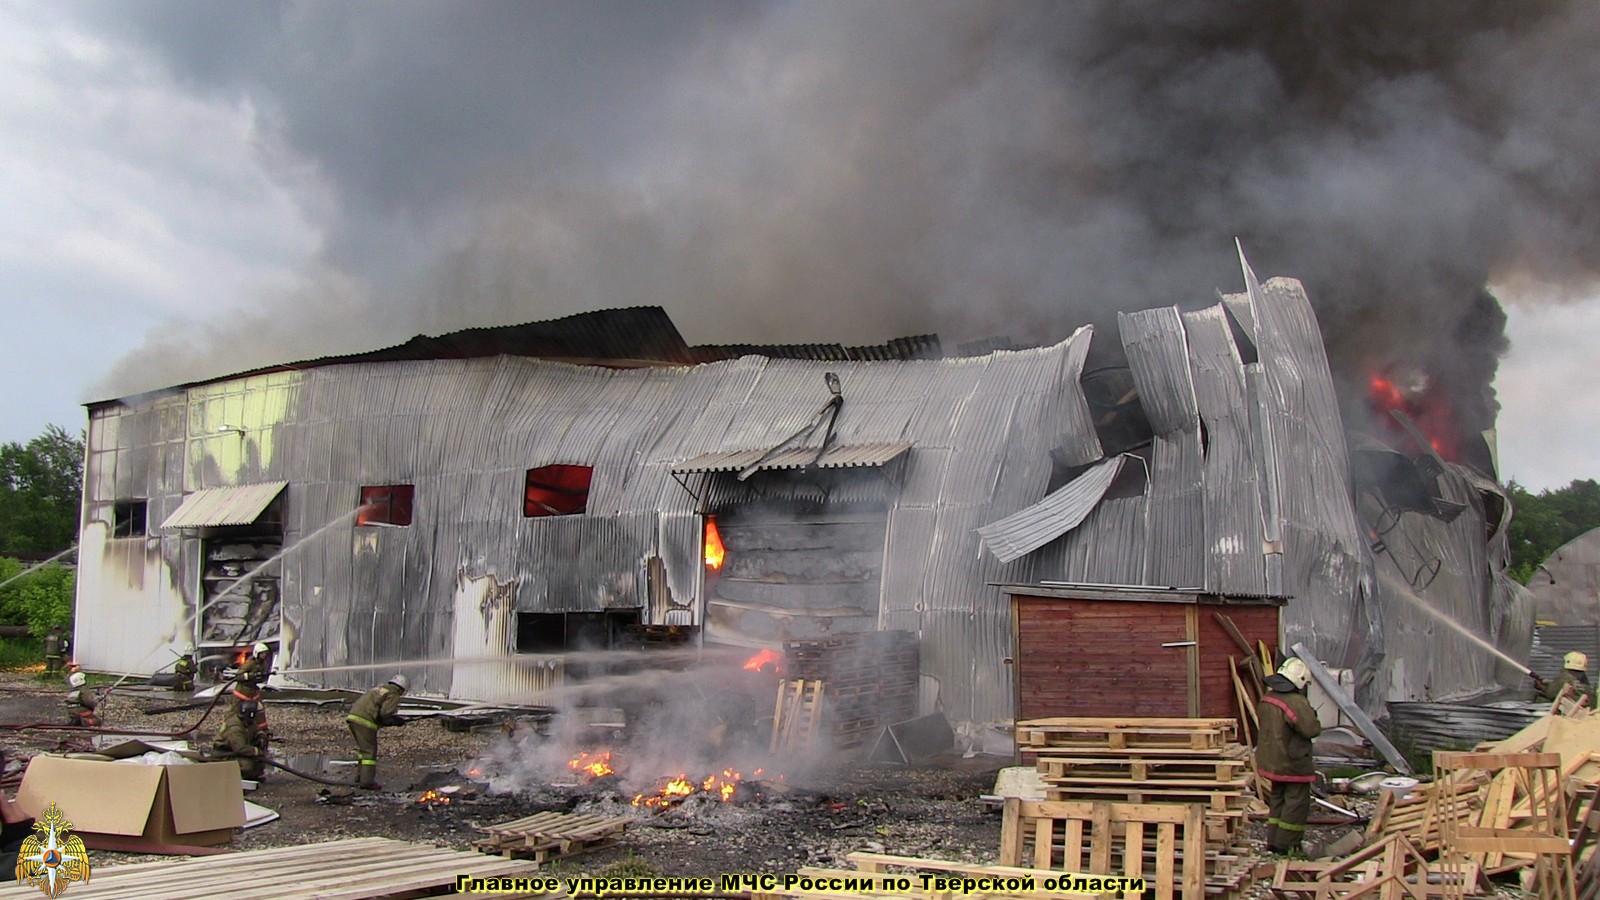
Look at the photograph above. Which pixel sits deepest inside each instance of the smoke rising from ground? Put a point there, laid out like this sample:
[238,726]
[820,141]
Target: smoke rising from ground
[852,172]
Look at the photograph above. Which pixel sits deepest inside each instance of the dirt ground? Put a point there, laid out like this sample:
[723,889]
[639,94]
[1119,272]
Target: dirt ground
[813,816]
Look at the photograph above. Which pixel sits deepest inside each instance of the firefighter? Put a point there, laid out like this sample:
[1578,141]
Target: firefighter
[184,668]
[55,650]
[375,709]
[80,702]
[1283,754]
[244,731]
[256,669]
[1573,672]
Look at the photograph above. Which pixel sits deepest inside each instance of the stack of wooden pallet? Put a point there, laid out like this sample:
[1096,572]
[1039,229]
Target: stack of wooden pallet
[871,679]
[1146,761]
[548,836]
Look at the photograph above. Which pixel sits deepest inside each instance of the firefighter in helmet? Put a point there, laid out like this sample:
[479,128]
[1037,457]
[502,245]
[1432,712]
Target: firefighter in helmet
[256,669]
[243,735]
[80,701]
[1574,672]
[377,708]
[1283,754]
[184,669]
[55,650]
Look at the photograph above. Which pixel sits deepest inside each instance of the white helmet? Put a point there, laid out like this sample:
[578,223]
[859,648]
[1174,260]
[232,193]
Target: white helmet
[400,682]
[1297,673]
[1575,660]
[260,648]
[77,679]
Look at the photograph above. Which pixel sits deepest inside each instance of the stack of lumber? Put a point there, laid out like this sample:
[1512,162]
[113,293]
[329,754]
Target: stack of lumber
[1145,761]
[547,836]
[871,678]
[356,869]
[1165,843]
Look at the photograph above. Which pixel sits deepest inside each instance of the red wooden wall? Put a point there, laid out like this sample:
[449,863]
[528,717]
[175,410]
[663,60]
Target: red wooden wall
[1082,657]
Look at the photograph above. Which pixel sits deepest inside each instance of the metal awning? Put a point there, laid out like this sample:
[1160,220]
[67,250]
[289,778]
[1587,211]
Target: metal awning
[1059,512]
[841,456]
[238,505]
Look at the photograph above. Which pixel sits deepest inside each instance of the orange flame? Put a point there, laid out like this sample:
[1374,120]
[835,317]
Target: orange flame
[241,657]
[597,765]
[433,796]
[715,552]
[722,785]
[764,658]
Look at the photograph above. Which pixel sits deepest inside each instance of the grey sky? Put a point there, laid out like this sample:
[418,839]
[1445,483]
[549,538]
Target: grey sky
[197,188]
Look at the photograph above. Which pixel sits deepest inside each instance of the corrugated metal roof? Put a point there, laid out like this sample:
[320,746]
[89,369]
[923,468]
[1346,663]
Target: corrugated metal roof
[1059,512]
[835,457]
[238,505]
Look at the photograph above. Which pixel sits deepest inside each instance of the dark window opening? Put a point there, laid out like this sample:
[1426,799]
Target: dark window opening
[388,504]
[558,490]
[558,632]
[1119,417]
[129,518]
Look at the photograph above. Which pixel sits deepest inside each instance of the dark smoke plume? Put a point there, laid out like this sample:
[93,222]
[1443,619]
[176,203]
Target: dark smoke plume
[851,172]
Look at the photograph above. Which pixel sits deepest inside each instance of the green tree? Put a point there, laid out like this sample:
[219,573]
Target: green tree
[38,599]
[41,490]
[1544,521]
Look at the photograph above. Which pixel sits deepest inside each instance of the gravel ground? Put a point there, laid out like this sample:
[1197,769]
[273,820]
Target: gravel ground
[816,815]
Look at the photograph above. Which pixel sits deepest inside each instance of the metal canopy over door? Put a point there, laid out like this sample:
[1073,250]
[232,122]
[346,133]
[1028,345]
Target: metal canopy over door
[240,530]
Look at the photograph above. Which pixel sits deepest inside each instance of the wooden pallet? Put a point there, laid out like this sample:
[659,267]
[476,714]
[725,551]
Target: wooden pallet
[797,718]
[1131,733]
[1109,839]
[548,836]
[356,869]
[1390,870]
[1147,767]
[1535,778]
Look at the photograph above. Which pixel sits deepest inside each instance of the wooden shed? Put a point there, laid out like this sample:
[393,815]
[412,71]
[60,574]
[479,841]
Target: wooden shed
[1111,650]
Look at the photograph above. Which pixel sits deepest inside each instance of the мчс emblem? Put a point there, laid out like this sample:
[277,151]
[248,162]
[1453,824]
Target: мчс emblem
[52,858]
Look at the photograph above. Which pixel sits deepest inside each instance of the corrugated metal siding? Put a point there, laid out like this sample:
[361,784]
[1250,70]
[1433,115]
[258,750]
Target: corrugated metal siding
[1232,501]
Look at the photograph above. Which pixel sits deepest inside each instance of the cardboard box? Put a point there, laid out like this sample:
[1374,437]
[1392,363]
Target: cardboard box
[118,806]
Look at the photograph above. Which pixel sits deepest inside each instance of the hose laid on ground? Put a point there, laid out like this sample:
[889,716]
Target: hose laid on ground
[307,776]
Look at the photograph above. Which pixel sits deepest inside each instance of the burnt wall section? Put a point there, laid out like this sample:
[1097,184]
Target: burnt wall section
[793,575]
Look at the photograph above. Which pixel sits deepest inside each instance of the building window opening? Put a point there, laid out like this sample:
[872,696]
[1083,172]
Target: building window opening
[571,631]
[388,504]
[129,518]
[559,490]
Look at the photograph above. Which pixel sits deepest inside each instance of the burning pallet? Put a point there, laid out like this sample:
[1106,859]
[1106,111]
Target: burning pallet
[548,836]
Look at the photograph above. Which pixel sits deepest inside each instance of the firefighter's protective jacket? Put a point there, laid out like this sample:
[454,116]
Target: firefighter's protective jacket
[1288,723]
[377,707]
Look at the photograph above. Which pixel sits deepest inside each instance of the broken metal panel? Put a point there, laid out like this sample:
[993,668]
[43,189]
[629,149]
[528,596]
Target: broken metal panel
[1426,727]
[1233,524]
[1059,512]
[1158,357]
[1077,443]
[1308,467]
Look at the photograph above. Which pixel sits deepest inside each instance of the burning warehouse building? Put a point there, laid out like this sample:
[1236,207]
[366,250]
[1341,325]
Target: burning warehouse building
[540,488]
